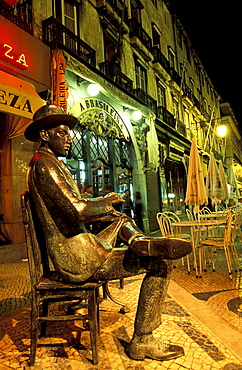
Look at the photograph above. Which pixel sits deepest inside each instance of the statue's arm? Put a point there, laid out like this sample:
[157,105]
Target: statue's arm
[59,186]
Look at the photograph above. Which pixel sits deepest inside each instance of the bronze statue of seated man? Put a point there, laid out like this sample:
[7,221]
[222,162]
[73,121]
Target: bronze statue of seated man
[120,250]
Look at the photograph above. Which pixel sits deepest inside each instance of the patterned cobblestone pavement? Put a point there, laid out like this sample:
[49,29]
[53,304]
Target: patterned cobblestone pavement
[67,347]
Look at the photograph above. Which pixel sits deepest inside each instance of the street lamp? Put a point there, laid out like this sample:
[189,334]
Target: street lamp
[222,130]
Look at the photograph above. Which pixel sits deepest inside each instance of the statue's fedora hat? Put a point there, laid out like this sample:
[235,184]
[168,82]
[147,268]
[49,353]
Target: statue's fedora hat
[46,117]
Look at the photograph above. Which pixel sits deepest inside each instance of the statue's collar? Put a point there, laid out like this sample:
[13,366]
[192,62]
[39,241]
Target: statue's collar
[45,151]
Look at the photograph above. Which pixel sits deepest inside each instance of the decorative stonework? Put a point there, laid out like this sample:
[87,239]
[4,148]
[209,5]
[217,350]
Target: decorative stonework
[140,132]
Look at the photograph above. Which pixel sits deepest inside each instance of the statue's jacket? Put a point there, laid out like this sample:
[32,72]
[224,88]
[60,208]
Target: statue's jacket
[75,253]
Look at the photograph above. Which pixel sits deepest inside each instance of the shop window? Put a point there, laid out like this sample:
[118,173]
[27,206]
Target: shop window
[175,176]
[100,178]
[98,159]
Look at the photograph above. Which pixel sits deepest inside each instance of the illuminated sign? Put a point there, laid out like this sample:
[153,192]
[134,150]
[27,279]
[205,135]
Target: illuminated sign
[8,54]
[59,85]
[101,117]
[11,2]
[17,96]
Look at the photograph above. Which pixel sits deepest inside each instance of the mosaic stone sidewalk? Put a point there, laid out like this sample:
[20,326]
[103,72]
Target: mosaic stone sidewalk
[61,349]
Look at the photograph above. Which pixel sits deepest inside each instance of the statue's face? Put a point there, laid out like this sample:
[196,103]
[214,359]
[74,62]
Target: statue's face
[59,140]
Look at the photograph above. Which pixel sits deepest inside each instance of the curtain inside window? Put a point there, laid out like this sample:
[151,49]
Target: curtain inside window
[16,125]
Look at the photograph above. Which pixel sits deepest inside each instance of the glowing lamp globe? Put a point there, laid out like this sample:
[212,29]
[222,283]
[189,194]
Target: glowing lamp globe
[93,89]
[136,115]
[221,130]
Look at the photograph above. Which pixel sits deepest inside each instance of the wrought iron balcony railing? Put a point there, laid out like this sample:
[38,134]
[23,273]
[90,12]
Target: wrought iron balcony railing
[181,128]
[20,14]
[160,58]
[196,103]
[114,72]
[136,30]
[187,92]
[146,99]
[55,33]
[164,115]
[117,5]
[175,76]
[204,112]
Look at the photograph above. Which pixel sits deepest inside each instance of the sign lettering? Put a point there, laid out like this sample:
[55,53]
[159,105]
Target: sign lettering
[100,116]
[7,53]
[59,85]
[15,101]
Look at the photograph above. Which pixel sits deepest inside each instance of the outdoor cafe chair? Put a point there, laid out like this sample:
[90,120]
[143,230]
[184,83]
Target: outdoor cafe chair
[220,207]
[165,220]
[235,232]
[45,291]
[198,231]
[175,218]
[214,244]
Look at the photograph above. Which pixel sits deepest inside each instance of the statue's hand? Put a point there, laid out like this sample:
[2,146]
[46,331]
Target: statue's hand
[115,198]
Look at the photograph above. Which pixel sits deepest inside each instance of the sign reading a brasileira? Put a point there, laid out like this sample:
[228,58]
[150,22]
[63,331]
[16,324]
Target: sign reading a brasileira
[100,117]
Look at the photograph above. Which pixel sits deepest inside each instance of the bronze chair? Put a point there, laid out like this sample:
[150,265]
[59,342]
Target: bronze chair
[45,291]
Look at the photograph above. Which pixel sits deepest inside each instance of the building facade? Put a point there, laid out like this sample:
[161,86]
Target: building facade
[128,71]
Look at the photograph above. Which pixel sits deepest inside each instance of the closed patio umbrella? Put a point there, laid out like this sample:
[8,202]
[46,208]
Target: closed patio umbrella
[196,193]
[214,187]
[234,189]
[223,180]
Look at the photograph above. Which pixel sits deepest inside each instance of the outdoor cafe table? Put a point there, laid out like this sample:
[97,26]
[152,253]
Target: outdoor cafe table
[213,215]
[195,226]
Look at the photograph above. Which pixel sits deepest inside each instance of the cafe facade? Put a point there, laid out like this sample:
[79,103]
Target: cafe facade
[24,77]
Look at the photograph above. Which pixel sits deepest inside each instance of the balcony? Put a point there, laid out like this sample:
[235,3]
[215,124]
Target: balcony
[160,58]
[20,14]
[204,112]
[164,115]
[196,103]
[55,34]
[114,72]
[175,76]
[181,128]
[187,92]
[139,38]
[217,155]
[113,11]
[146,99]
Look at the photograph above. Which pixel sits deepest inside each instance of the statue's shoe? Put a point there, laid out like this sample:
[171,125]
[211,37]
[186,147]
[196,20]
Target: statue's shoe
[155,350]
[167,248]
